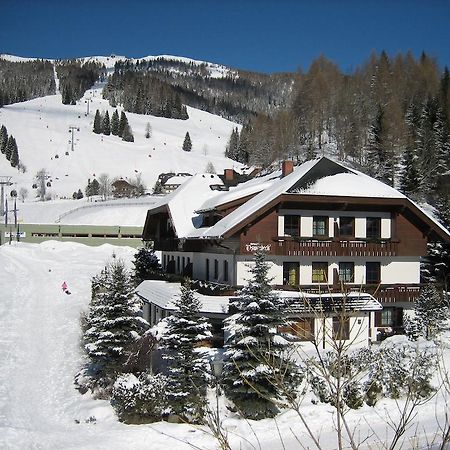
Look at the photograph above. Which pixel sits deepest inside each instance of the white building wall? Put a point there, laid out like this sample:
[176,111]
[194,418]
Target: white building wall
[199,267]
[404,270]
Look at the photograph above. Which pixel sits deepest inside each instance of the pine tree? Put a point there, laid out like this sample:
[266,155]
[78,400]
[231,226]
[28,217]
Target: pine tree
[115,123]
[106,126]
[431,314]
[14,155]
[186,367]
[11,147]
[97,122]
[254,358]
[148,130]
[122,123]
[127,134]
[112,324]
[187,144]
[95,187]
[231,150]
[146,264]
[3,139]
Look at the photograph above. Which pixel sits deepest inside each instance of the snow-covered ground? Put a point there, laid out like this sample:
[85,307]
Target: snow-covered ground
[41,129]
[40,353]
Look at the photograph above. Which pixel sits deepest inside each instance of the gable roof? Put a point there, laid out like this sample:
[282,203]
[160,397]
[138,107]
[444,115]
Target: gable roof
[319,179]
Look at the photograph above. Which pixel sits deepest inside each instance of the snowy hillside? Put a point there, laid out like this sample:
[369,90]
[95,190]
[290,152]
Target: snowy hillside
[41,128]
[40,353]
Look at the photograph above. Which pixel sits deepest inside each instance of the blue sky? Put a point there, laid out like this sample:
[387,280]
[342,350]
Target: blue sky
[261,35]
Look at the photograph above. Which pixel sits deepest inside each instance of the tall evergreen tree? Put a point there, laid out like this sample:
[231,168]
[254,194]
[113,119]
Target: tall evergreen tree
[148,131]
[11,148]
[3,139]
[187,144]
[187,370]
[127,134]
[254,358]
[106,125]
[122,123]
[146,264]
[97,122]
[430,314]
[115,123]
[112,325]
[231,150]
[14,160]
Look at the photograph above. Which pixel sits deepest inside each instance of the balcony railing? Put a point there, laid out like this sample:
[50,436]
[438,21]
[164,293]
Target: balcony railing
[286,246]
[384,293]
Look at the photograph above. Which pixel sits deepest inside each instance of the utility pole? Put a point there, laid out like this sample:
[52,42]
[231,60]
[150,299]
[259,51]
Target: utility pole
[72,129]
[4,181]
[87,105]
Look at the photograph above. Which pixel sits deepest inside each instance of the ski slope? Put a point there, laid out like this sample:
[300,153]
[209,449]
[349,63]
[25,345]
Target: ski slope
[40,354]
[41,129]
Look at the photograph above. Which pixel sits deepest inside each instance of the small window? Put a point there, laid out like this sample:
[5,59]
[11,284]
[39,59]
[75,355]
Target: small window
[164,262]
[320,226]
[292,225]
[319,272]
[341,328]
[373,272]
[347,272]
[178,264]
[216,269]
[291,273]
[347,226]
[301,328]
[207,270]
[373,228]
[387,317]
[225,270]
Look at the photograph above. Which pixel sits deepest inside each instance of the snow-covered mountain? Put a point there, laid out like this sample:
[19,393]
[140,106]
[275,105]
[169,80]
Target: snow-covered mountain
[41,129]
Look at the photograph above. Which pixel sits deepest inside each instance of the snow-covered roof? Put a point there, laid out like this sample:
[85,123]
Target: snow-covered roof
[177,180]
[318,177]
[185,200]
[164,295]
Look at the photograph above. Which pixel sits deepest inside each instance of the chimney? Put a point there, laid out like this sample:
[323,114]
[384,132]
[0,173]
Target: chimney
[287,167]
[229,174]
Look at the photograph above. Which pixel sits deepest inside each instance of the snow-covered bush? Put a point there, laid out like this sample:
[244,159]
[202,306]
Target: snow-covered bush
[140,399]
[146,264]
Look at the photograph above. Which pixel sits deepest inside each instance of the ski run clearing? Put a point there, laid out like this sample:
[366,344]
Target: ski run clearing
[40,353]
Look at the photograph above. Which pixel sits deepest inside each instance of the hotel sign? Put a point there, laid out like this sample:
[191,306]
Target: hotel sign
[253,247]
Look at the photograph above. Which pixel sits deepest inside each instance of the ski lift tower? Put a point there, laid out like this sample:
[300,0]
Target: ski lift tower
[72,129]
[4,181]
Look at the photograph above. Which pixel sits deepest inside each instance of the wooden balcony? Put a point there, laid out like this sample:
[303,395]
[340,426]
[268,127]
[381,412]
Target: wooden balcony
[384,293]
[286,246]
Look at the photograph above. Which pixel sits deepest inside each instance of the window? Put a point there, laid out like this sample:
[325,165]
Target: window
[320,226]
[225,270]
[373,228]
[291,274]
[178,264]
[207,270]
[292,225]
[347,272]
[387,317]
[164,262]
[319,272]
[341,328]
[373,272]
[347,226]
[216,269]
[301,328]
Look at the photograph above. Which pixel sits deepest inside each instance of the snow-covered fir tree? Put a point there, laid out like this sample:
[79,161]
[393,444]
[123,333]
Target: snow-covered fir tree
[187,367]
[146,264]
[112,325]
[3,138]
[431,313]
[256,370]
